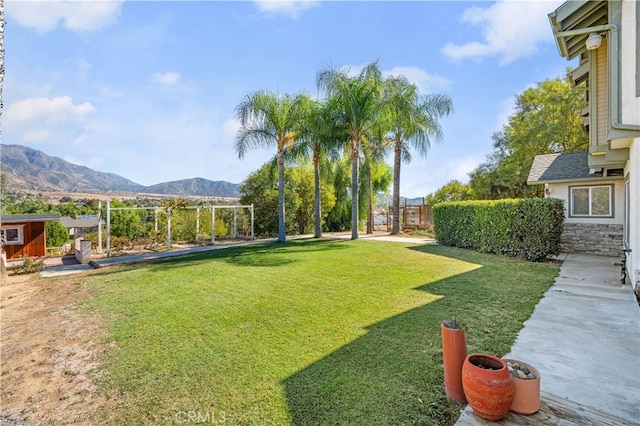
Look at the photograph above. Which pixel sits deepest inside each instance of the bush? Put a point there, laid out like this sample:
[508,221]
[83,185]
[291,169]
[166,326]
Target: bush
[527,228]
[28,266]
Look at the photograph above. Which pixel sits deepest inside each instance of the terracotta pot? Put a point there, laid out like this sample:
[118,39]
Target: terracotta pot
[489,390]
[526,392]
[454,352]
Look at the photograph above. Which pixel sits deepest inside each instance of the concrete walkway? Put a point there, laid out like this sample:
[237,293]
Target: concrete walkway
[584,339]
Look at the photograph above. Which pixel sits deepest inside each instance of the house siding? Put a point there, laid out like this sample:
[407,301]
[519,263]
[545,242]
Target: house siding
[34,242]
[601,98]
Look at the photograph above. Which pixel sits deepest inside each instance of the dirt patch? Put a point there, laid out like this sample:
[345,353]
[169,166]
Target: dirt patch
[49,349]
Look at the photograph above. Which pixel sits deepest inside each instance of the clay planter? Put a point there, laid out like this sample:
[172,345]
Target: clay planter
[526,392]
[487,385]
[454,352]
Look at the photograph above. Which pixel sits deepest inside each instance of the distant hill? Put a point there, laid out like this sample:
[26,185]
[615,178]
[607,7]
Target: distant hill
[30,169]
[196,186]
[388,200]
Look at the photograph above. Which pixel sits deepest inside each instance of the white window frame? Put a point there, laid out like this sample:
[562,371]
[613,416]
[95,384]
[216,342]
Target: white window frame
[590,214]
[19,241]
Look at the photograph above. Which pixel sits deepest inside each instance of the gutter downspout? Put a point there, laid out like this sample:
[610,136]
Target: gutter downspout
[614,85]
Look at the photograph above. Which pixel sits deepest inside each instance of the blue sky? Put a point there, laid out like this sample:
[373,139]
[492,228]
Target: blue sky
[147,89]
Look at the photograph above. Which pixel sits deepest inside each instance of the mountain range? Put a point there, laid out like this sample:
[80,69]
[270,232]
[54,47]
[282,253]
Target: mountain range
[28,169]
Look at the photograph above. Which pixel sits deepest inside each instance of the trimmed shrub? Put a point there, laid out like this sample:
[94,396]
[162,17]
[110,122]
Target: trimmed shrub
[528,228]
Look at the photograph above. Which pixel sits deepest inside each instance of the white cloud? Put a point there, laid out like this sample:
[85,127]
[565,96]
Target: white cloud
[110,92]
[46,109]
[462,167]
[38,119]
[289,9]
[80,16]
[426,82]
[510,30]
[165,78]
[230,128]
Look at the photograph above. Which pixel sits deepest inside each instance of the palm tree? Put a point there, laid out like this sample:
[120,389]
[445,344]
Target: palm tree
[412,120]
[359,99]
[266,119]
[319,140]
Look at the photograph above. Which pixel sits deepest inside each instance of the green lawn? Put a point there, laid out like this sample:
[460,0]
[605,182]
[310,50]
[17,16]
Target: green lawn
[309,332]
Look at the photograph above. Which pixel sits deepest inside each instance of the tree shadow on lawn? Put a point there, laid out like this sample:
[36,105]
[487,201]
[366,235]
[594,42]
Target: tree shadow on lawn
[393,374]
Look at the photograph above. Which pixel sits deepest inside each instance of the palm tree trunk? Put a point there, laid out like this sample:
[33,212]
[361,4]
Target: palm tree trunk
[318,213]
[395,228]
[282,236]
[370,213]
[355,156]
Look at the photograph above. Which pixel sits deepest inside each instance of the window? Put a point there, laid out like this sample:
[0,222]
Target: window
[591,201]
[12,235]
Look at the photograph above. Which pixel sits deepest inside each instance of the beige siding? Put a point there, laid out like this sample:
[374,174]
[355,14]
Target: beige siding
[602,106]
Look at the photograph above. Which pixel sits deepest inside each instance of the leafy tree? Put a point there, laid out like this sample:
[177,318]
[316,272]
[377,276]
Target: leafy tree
[72,209]
[127,223]
[546,120]
[301,189]
[260,189]
[6,199]
[267,120]
[56,233]
[338,219]
[454,190]
[413,120]
[359,100]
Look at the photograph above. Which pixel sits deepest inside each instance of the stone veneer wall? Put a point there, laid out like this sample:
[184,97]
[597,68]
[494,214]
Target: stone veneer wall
[592,238]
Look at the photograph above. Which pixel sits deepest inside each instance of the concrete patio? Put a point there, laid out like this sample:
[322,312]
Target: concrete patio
[584,339]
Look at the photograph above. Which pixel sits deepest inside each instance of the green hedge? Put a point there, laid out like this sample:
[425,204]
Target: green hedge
[527,228]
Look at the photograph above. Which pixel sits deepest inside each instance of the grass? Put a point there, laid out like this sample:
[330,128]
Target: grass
[306,333]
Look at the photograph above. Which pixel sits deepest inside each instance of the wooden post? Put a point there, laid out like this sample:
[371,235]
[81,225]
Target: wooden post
[99,248]
[213,225]
[389,219]
[235,222]
[155,219]
[197,222]
[251,209]
[108,228]
[168,228]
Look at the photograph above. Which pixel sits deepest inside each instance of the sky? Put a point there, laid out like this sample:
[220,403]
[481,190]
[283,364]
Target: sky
[147,89]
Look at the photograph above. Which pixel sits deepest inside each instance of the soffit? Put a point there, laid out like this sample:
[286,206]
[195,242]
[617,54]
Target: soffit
[574,15]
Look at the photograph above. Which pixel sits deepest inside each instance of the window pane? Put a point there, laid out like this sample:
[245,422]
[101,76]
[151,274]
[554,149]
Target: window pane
[12,235]
[600,201]
[580,201]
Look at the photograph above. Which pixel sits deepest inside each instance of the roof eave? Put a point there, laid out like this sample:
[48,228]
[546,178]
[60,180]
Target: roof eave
[585,179]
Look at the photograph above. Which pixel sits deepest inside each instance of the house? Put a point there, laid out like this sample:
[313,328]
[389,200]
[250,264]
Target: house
[601,187]
[80,225]
[24,234]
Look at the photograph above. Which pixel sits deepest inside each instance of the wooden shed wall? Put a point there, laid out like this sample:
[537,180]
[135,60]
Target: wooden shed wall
[34,242]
